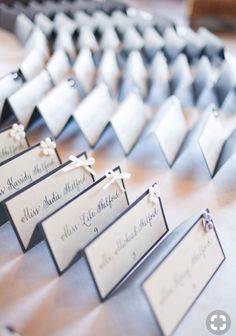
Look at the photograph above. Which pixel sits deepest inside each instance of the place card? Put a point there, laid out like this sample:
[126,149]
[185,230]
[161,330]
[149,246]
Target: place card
[153,42]
[132,40]
[124,244]
[65,41]
[23,28]
[212,140]
[129,121]
[50,193]
[85,69]
[87,39]
[174,44]
[26,168]
[33,64]
[109,71]
[186,263]
[8,85]
[62,20]
[203,76]
[44,23]
[181,73]
[170,128]
[214,46]
[109,39]
[37,40]
[194,43]
[226,81]
[94,113]
[59,66]
[13,140]
[57,107]
[74,225]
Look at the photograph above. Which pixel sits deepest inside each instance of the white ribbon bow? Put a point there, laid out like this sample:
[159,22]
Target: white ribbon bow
[208,222]
[154,194]
[116,177]
[80,162]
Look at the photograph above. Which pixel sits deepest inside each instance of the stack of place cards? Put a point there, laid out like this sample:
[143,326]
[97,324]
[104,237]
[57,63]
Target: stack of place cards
[25,168]
[74,225]
[50,193]
[13,141]
[121,247]
[130,120]
[187,260]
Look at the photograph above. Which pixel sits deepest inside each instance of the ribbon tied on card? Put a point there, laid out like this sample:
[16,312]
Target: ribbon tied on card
[116,177]
[80,162]
[154,194]
[48,146]
[17,132]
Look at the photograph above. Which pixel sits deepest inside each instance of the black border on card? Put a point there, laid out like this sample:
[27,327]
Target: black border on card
[2,206]
[80,252]
[140,261]
[34,240]
[163,259]
[216,165]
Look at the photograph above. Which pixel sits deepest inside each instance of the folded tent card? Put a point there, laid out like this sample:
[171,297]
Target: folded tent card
[13,140]
[26,168]
[126,242]
[50,192]
[74,225]
[186,262]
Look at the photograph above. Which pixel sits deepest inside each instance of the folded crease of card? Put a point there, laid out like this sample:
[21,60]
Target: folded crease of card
[75,224]
[125,243]
[186,262]
[24,169]
[50,193]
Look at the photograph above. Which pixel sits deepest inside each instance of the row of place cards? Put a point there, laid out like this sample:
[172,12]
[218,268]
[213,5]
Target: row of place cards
[78,216]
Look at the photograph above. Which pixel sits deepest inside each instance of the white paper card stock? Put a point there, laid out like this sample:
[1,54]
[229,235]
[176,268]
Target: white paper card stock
[13,141]
[50,193]
[78,222]
[129,121]
[94,113]
[25,168]
[117,251]
[212,140]
[184,269]
[171,128]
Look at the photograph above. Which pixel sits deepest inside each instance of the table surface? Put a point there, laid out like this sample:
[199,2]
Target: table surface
[35,301]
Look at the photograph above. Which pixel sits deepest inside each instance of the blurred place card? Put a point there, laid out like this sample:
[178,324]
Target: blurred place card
[120,248]
[170,128]
[73,226]
[212,140]
[8,85]
[188,259]
[57,107]
[65,41]
[49,194]
[25,168]
[33,64]
[130,120]
[94,113]
[13,140]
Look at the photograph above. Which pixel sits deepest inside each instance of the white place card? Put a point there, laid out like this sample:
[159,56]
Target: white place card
[212,139]
[59,66]
[171,128]
[8,85]
[23,27]
[181,73]
[132,40]
[65,41]
[33,64]
[130,120]
[110,39]
[13,141]
[121,247]
[85,69]
[37,40]
[34,90]
[185,266]
[44,23]
[62,20]
[174,43]
[58,105]
[73,226]
[50,193]
[25,168]
[87,39]
[109,71]
[94,113]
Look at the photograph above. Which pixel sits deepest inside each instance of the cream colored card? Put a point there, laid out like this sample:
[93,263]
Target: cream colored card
[33,64]
[116,251]
[25,169]
[182,275]
[50,193]
[78,222]
[58,105]
[34,90]
[109,71]
[212,140]
[12,141]
[94,113]
[129,121]
[171,129]
[58,66]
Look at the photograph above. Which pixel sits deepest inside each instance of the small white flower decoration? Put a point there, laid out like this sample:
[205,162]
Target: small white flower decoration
[48,146]
[154,194]
[208,222]
[17,132]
